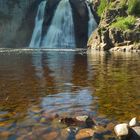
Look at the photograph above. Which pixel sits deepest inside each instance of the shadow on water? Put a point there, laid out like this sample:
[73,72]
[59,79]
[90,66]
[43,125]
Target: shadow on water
[34,83]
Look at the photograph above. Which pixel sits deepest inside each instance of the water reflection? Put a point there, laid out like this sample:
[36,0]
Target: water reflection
[62,67]
[117,86]
[67,81]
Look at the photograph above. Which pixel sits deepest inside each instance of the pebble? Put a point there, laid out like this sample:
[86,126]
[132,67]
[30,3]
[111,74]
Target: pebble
[35,109]
[82,118]
[121,129]
[5,134]
[64,133]
[84,133]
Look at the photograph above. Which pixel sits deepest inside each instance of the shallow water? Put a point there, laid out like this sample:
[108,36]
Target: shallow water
[36,84]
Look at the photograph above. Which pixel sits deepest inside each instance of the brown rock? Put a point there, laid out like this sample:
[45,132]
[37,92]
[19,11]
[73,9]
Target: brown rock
[51,136]
[64,133]
[110,126]
[84,133]
[5,134]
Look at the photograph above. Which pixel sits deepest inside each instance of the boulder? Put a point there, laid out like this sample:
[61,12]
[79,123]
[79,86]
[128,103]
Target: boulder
[121,130]
[136,129]
[134,133]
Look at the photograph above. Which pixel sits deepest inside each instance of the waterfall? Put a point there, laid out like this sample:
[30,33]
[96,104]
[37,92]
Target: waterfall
[36,37]
[91,23]
[61,31]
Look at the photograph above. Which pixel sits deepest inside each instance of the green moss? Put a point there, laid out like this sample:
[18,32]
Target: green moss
[102,7]
[124,23]
[134,7]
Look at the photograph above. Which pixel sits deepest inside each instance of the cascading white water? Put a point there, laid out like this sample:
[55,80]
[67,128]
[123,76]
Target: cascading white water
[91,23]
[36,37]
[61,31]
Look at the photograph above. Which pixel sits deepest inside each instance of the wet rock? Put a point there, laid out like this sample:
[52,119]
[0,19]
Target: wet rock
[99,129]
[49,116]
[51,136]
[136,131]
[78,121]
[69,121]
[64,133]
[39,130]
[133,122]
[110,126]
[90,122]
[121,130]
[82,118]
[35,109]
[84,133]
[5,134]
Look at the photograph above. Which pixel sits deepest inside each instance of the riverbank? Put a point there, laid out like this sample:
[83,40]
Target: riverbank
[119,27]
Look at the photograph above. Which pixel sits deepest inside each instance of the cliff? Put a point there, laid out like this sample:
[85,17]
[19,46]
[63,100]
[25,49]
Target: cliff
[16,22]
[119,27]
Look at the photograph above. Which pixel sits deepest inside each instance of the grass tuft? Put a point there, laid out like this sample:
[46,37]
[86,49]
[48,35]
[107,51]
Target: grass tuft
[124,23]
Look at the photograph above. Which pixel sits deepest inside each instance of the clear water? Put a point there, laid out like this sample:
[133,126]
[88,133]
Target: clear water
[40,83]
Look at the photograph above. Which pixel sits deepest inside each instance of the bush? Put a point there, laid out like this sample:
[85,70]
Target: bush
[124,23]
[134,7]
[102,6]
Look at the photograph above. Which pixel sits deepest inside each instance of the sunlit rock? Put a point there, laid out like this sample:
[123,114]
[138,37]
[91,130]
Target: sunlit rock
[121,129]
[133,122]
[84,133]
[82,118]
[136,132]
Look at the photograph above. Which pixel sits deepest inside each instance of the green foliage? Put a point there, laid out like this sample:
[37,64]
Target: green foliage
[124,23]
[102,6]
[134,7]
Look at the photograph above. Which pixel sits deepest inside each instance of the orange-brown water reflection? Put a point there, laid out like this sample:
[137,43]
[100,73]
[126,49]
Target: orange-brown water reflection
[68,82]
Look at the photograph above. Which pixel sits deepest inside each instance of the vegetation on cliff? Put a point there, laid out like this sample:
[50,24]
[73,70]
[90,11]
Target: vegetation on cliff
[124,23]
[131,6]
[119,24]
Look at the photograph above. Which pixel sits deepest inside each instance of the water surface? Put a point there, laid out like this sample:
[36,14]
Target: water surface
[39,83]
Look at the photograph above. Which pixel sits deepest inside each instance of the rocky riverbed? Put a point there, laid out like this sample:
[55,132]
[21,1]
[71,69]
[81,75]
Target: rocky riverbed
[76,127]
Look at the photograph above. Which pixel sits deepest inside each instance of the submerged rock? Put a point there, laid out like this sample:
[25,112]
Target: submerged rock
[51,136]
[82,118]
[78,121]
[84,133]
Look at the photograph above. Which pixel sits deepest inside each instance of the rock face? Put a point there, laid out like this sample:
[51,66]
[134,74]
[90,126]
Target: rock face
[107,36]
[15,19]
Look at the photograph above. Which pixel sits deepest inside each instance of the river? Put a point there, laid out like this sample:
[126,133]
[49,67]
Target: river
[36,84]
